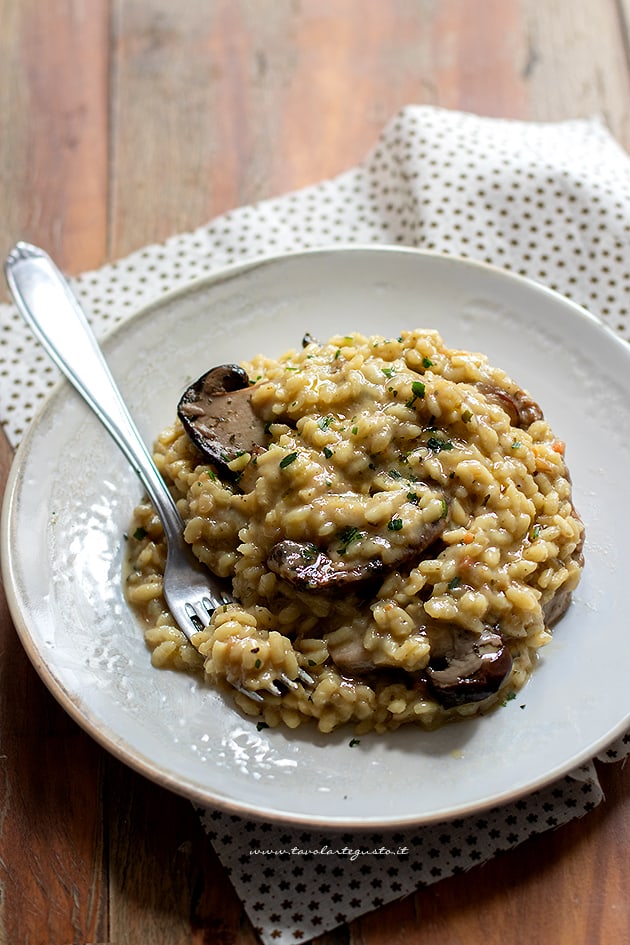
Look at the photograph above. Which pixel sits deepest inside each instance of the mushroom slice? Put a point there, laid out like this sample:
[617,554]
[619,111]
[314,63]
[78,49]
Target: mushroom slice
[308,567]
[351,657]
[464,667]
[217,414]
[305,566]
[518,405]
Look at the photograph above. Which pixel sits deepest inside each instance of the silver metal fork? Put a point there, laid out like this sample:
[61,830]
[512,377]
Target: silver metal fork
[49,307]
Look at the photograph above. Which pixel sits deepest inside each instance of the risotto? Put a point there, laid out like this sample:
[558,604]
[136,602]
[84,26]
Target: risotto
[394,519]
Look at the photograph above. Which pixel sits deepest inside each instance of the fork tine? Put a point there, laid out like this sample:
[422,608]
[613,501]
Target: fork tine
[200,613]
[306,678]
[249,693]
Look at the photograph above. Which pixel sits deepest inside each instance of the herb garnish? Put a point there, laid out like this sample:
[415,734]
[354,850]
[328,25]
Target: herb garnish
[395,525]
[437,444]
[417,390]
[348,536]
[288,459]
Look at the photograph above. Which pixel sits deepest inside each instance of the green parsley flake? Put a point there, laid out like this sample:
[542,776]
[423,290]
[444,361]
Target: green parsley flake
[140,533]
[417,391]
[288,459]
[347,536]
[395,525]
[437,444]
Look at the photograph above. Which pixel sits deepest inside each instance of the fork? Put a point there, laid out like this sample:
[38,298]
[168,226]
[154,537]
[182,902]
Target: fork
[46,302]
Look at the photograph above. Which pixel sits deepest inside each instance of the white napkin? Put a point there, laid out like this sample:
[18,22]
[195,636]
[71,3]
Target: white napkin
[549,201]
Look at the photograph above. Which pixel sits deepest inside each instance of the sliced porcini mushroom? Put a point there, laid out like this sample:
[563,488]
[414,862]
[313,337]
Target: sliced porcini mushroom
[308,567]
[351,656]
[464,667]
[217,414]
[519,406]
[556,606]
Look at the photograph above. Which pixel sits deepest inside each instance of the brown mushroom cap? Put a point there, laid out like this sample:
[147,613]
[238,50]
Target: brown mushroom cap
[217,414]
[308,567]
[517,403]
[464,667]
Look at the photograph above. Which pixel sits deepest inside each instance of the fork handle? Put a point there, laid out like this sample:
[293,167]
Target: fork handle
[46,302]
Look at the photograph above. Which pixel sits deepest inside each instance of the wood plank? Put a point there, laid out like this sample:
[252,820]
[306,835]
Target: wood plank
[53,101]
[577,61]
[52,874]
[167,885]
[53,190]
[568,887]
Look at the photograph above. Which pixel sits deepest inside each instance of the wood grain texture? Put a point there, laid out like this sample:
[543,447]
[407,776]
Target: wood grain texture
[54,133]
[53,884]
[122,122]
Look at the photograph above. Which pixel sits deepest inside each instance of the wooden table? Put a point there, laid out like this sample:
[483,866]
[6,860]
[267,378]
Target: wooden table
[123,122]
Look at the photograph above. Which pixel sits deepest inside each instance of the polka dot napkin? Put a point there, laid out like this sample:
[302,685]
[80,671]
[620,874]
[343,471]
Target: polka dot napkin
[549,201]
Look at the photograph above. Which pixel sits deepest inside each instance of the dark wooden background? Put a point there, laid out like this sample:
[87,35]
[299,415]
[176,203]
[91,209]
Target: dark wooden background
[123,122]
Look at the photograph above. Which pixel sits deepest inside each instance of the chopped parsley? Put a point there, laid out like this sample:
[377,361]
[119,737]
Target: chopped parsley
[260,726]
[140,533]
[417,390]
[395,525]
[467,416]
[437,444]
[347,536]
[454,584]
[288,459]
[324,422]
[427,363]
[353,742]
[327,452]
[389,372]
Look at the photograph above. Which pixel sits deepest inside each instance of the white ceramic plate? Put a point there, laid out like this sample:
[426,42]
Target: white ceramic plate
[71,495]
